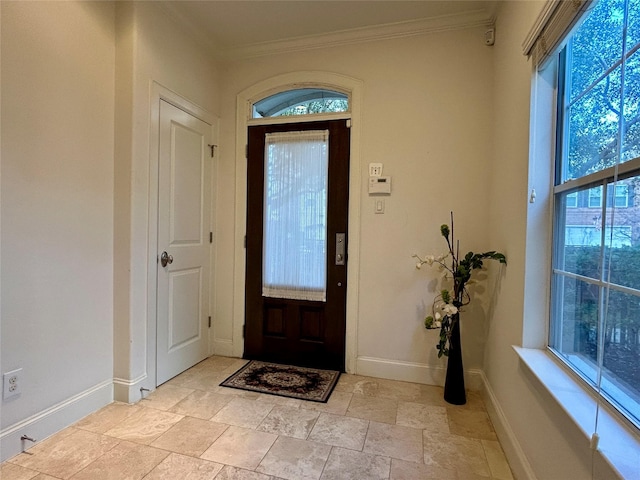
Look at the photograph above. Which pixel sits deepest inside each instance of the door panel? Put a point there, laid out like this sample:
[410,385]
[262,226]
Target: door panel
[299,332]
[184,177]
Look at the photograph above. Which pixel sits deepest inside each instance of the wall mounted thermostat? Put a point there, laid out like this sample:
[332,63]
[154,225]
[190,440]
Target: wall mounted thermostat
[379,185]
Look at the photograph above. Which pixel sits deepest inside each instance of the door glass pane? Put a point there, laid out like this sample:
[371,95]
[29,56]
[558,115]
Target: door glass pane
[295,215]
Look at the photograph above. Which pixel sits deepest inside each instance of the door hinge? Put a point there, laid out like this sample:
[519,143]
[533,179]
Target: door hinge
[212,147]
[210,237]
[246,151]
[209,322]
[348,123]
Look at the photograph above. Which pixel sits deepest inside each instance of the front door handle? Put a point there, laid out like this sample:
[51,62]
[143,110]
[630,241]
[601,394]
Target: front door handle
[340,248]
[165,259]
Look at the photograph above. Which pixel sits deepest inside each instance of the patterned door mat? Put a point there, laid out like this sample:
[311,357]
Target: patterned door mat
[284,380]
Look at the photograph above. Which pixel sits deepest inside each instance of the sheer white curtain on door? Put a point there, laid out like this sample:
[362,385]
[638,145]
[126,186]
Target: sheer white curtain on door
[295,215]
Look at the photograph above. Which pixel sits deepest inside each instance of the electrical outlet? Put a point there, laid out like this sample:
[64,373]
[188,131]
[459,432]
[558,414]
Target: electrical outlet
[11,384]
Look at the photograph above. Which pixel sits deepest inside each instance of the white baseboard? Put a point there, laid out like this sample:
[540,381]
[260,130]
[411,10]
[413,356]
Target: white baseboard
[413,372]
[128,391]
[47,422]
[512,449]
[223,348]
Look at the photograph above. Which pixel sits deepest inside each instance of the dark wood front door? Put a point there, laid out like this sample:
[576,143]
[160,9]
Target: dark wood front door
[281,324]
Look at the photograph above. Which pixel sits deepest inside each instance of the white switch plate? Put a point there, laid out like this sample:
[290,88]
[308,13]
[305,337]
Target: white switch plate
[379,205]
[375,169]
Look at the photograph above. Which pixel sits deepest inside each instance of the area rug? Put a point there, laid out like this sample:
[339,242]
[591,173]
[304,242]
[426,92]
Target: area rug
[284,380]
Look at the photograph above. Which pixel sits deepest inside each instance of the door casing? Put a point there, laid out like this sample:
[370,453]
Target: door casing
[158,93]
[353,87]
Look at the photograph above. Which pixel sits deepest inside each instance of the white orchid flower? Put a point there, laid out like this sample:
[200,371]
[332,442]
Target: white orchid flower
[429,259]
[437,324]
[450,309]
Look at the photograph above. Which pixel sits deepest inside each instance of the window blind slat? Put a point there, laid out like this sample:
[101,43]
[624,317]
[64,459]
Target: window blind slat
[555,21]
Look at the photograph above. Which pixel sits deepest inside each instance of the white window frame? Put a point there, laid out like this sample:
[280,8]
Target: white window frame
[604,180]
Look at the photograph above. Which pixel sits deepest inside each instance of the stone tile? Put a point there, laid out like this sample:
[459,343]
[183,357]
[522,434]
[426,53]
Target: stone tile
[181,467]
[294,459]
[145,425]
[402,470]
[165,397]
[234,365]
[338,404]
[190,436]
[382,410]
[357,384]
[333,444]
[215,364]
[475,402]
[236,392]
[278,400]
[126,461]
[400,391]
[431,395]
[470,423]
[107,417]
[201,404]
[233,473]
[340,431]
[183,378]
[418,415]
[66,453]
[9,471]
[208,381]
[396,441]
[291,422]
[243,412]
[240,447]
[498,464]
[455,453]
[343,463]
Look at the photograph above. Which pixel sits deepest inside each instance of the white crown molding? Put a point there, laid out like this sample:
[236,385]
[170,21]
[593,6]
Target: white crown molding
[344,37]
[361,35]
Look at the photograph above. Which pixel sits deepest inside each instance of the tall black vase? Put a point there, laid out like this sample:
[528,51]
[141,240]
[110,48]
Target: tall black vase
[454,391]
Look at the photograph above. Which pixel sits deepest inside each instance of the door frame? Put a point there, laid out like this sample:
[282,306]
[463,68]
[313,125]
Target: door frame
[245,99]
[160,93]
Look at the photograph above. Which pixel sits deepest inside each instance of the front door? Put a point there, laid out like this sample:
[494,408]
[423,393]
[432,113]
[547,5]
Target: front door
[184,249]
[297,215]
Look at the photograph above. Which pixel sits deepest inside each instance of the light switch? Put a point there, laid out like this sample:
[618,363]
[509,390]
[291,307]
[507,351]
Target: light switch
[379,205]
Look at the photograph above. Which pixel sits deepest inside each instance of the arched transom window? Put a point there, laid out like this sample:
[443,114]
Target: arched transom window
[303,101]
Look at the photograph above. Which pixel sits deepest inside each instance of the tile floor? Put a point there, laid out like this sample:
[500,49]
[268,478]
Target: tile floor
[190,428]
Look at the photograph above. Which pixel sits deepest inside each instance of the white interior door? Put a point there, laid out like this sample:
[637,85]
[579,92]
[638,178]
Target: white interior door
[184,248]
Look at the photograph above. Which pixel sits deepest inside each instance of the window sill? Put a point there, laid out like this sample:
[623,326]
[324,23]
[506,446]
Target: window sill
[619,446]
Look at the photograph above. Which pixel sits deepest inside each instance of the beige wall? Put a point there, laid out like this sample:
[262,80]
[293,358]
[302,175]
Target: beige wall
[58,74]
